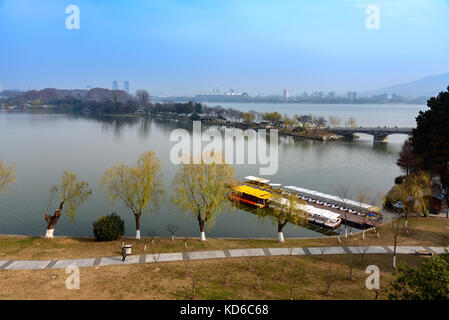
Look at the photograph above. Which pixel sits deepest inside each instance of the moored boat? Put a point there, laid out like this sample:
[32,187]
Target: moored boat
[250,195]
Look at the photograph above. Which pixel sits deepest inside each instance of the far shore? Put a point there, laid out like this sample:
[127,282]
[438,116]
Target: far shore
[312,134]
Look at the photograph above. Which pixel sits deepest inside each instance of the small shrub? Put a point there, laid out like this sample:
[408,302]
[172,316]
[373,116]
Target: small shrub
[108,228]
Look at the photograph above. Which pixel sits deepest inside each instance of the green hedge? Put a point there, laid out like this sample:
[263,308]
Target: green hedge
[108,228]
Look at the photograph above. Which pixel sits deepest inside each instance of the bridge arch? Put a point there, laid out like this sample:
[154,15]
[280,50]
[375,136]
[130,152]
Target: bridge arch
[380,134]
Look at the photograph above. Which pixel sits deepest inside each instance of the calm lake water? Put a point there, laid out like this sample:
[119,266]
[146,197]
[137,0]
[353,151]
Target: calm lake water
[42,146]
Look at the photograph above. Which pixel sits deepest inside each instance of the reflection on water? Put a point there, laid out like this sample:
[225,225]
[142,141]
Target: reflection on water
[43,145]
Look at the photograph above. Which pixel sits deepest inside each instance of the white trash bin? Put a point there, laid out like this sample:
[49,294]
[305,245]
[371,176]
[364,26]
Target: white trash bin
[128,249]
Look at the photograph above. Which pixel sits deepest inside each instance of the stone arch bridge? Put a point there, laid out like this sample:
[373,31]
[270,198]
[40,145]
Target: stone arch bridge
[380,133]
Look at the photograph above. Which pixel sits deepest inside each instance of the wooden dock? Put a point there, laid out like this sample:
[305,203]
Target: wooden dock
[350,217]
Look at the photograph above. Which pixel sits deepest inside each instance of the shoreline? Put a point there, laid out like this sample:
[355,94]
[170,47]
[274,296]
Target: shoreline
[316,134]
[191,238]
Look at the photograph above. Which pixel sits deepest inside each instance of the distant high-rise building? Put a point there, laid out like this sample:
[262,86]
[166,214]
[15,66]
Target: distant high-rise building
[126,86]
[286,95]
[1,87]
[351,95]
[115,85]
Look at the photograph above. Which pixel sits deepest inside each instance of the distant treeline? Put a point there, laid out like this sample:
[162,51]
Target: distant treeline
[191,109]
[95,107]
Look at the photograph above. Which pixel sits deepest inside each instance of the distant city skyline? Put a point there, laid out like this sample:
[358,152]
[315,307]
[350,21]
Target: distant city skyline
[175,47]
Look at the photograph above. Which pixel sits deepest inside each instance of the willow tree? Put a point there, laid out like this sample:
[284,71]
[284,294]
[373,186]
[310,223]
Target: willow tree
[7,176]
[139,188]
[285,209]
[413,192]
[72,193]
[351,123]
[201,190]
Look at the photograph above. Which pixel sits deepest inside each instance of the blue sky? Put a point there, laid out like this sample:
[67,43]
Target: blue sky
[184,47]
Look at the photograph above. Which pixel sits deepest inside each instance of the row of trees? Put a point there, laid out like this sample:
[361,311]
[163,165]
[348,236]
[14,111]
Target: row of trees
[428,147]
[424,153]
[96,107]
[307,121]
[199,190]
[142,103]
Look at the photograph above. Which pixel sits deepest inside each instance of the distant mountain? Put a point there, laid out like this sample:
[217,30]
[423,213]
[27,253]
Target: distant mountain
[427,87]
[95,94]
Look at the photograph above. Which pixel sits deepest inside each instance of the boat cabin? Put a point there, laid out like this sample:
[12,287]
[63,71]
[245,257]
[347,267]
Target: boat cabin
[251,195]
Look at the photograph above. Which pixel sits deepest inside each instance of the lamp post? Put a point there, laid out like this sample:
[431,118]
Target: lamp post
[444,199]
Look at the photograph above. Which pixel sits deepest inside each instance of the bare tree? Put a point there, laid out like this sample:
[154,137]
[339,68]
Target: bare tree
[343,193]
[292,281]
[249,259]
[362,251]
[187,255]
[320,122]
[143,98]
[195,280]
[323,251]
[304,119]
[257,115]
[156,255]
[184,240]
[351,123]
[406,159]
[363,196]
[281,268]
[395,225]
[257,285]
[350,262]
[330,277]
[172,228]
[227,278]
[334,121]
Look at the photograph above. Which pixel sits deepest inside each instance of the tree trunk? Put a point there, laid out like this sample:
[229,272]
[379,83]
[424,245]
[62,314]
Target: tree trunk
[280,233]
[52,221]
[201,223]
[396,242]
[137,217]
[346,226]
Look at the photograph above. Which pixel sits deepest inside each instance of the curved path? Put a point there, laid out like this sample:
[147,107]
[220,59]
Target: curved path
[205,255]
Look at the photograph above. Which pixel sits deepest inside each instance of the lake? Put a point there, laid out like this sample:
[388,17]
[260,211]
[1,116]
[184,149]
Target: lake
[43,145]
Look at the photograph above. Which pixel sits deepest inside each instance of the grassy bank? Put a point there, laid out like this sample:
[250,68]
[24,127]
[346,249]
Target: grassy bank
[422,232]
[245,278]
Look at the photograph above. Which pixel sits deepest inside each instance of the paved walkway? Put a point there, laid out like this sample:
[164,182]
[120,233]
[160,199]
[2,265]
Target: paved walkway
[205,255]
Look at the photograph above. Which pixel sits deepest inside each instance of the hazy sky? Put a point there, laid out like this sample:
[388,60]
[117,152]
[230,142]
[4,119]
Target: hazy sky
[258,46]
